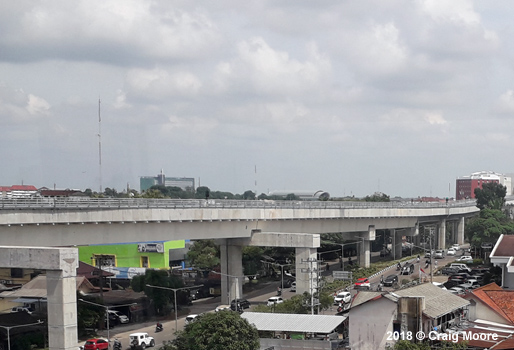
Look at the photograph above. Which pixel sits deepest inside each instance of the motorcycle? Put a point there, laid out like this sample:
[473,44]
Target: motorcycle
[158,328]
[279,291]
[116,345]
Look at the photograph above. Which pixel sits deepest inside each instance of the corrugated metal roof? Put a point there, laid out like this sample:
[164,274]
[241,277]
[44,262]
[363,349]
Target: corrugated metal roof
[438,302]
[293,322]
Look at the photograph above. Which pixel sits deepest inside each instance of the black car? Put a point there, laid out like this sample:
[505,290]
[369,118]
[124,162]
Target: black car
[449,271]
[241,304]
[390,280]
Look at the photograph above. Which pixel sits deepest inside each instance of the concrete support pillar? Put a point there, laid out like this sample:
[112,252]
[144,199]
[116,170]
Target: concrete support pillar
[441,237]
[232,278]
[306,270]
[397,244]
[460,231]
[62,309]
[364,256]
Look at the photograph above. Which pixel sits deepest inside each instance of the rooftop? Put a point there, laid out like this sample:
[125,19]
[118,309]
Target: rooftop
[504,246]
[293,322]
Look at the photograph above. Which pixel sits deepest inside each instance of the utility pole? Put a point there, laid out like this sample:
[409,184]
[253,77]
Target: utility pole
[311,270]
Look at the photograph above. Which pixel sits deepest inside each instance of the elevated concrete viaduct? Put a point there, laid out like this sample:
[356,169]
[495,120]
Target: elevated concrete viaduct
[54,223]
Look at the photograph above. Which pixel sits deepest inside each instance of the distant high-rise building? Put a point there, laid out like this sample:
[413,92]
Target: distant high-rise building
[185,183]
[465,186]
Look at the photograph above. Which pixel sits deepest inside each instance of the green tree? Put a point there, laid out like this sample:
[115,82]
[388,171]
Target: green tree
[263,196]
[204,254]
[203,192]
[152,193]
[491,196]
[377,197]
[224,330]
[163,299]
[487,227]
[251,261]
[249,195]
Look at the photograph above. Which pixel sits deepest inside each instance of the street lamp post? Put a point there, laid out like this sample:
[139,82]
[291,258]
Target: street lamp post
[107,314]
[342,252]
[281,270]
[8,328]
[175,297]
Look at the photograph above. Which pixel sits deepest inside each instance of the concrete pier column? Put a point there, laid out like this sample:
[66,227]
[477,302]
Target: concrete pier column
[306,270]
[232,278]
[441,236]
[396,244]
[62,309]
[364,256]
[460,231]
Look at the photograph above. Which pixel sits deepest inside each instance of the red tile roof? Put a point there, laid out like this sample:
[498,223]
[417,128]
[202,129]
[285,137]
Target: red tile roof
[501,301]
[23,188]
[505,247]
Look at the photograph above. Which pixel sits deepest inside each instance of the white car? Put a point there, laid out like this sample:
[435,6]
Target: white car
[342,297]
[465,259]
[141,340]
[457,290]
[190,319]
[222,307]
[275,300]
[456,246]
[121,317]
[451,251]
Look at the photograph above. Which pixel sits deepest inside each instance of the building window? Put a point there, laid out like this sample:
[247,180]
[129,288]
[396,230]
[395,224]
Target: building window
[145,262]
[101,260]
[16,273]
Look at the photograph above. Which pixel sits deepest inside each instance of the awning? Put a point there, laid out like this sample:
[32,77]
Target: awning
[28,300]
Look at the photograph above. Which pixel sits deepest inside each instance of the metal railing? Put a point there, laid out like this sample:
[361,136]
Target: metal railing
[68,203]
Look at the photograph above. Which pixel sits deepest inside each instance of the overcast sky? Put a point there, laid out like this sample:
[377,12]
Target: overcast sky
[350,97]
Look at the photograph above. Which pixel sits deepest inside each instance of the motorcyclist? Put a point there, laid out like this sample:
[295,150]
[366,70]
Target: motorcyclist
[158,327]
[117,344]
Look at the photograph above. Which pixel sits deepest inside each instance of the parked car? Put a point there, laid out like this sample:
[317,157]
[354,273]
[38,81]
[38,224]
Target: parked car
[457,278]
[342,297]
[190,319]
[96,344]
[275,300]
[390,280]
[449,270]
[120,318]
[461,266]
[241,303]
[141,340]
[457,290]
[451,251]
[363,283]
[465,259]
[222,307]
[439,254]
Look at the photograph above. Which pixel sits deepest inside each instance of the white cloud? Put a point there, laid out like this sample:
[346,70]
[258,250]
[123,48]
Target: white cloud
[260,68]
[505,103]
[156,84]
[413,119]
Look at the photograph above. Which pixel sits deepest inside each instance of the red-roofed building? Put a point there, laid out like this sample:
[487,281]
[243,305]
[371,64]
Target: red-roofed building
[502,255]
[17,191]
[491,303]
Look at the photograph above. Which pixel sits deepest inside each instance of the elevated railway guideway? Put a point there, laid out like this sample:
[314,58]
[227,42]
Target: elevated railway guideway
[78,221]
[30,227]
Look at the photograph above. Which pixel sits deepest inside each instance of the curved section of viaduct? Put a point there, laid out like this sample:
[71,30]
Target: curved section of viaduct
[234,226]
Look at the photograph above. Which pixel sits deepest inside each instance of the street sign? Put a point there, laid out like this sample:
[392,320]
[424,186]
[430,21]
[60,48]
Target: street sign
[342,275]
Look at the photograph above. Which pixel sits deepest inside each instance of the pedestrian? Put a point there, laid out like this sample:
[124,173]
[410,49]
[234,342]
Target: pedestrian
[436,263]
[382,279]
[328,267]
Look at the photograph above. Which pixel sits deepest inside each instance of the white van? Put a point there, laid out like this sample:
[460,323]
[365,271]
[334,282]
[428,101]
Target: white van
[461,267]
[274,301]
